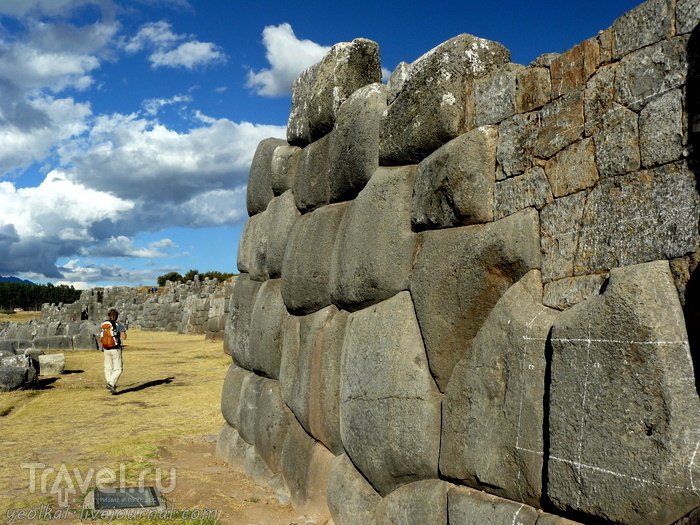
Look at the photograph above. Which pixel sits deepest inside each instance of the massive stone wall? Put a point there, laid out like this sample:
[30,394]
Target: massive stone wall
[470,295]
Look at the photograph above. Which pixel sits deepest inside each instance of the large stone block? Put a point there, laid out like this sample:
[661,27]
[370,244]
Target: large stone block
[415,504]
[389,404]
[285,163]
[307,262]
[646,24]
[466,505]
[651,71]
[271,424]
[246,414]
[354,144]
[460,274]
[531,189]
[617,142]
[598,97]
[283,214]
[573,169]
[252,248]
[324,401]
[373,253]
[637,218]
[266,322]
[572,69]
[564,293]
[661,129]
[624,412]
[351,499]
[230,448]
[320,90]
[237,338]
[532,88]
[259,192]
[429,111]
[312,183]
[560,228]
[306,466]
[300,338]
[517,138]
[687,16]
[493,409]
[495,94]
[562,123]
[231,394]
[454,185]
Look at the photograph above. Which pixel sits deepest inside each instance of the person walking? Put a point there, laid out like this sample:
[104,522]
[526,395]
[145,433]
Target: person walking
[111,335]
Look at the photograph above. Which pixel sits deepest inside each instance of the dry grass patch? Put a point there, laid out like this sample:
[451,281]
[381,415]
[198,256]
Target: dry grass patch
[169,393]
[19,317]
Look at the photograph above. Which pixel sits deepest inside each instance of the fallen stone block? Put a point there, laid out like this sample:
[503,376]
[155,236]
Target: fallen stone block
[52,365]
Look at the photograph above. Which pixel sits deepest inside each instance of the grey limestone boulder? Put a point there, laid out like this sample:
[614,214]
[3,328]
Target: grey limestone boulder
[646,24]
[495,94]
[312,186]
[430,110]
[259,192]
[617,142]
[320,90]
[266,323]
[306,466]
[455,184]
[531,189]
[307,261]
[285,163]
[52,365]
[353,150]
[252,249]
[283,214]
[54,342]
[396,81]
[373,253]
[86,337]
[466,505]
[661,129]
[415,504]
[310,372]
[271,424]
[247,412]
[389,404]
[624,414]
[237,338]
[231,394]
[493,411]
[573,169]
[459,276]
[517,138]
[351,499]
[230,448]
[16,377]
[643,216]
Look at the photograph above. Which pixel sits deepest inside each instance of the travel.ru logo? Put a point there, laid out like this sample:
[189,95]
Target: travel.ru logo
[65,483]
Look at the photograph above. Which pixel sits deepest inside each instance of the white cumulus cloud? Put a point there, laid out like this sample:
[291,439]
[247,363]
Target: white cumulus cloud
[288,57]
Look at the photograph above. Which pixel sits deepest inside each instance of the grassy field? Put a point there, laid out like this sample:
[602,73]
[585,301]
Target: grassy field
[19,317]
[60,440]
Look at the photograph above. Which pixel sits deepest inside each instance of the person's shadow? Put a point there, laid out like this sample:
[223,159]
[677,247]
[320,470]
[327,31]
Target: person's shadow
[148,384]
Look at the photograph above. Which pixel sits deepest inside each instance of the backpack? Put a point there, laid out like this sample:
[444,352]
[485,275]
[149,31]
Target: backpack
[109,336]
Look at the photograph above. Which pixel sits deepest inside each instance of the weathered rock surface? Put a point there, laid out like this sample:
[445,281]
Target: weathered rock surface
[52,365]
[285,164]
[237,340]
[415,504]
[459,275]
[429,111]
[306,466]
[373,253]
[353,150]
[385,378]
[624,412]
[455,184]
[312,184]
[471,506]
[493,409]
[351,499]
[260,179]
[320,90]
[271,425]
[266,322]
[530,189]
[307,262]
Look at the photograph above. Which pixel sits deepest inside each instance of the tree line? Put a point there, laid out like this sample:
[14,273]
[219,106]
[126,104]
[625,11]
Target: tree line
[189,276]
[32,296]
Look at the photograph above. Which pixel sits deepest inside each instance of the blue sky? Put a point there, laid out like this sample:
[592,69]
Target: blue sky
[127,127]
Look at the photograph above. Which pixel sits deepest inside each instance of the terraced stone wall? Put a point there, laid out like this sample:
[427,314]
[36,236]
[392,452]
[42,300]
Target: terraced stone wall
[471,295]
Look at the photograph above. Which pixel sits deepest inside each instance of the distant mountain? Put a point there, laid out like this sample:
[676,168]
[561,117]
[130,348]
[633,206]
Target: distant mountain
[14,280]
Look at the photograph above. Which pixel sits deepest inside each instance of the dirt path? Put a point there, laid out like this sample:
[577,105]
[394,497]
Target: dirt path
[58,442]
